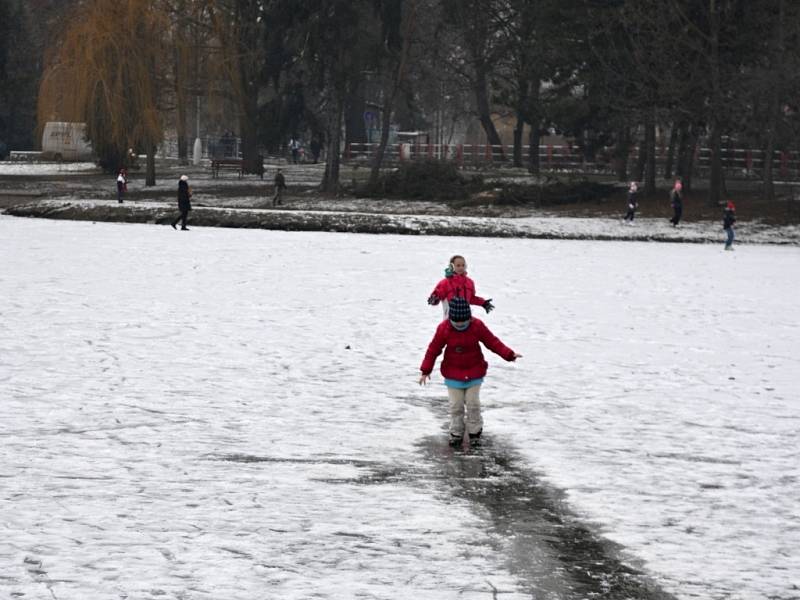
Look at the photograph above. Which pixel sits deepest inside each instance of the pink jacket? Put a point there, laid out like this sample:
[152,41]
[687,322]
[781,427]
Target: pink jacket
[457,286]
[463,359]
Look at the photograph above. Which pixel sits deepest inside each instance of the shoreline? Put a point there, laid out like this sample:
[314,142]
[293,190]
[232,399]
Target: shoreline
[306,218]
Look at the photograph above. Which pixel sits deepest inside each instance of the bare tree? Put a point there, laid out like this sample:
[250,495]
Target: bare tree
[239,25]
[475,56]
[398,57]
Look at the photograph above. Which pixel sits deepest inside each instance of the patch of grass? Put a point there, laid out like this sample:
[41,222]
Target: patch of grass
[425,180]
[553,193]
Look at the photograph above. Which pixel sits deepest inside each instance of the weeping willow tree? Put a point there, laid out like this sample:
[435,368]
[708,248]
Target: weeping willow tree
[107,70]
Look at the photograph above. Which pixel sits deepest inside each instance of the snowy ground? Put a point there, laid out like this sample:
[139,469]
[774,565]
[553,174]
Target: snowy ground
[219,414]
[45,168]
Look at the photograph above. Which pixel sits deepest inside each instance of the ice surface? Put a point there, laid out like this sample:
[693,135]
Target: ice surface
[207,414]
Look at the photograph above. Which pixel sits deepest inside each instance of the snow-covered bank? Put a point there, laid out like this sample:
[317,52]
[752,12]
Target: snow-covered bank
[207,414]
[303,219]
[43,168]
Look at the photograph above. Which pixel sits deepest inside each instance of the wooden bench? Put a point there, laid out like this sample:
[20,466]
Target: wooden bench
[237,164]
[233,164]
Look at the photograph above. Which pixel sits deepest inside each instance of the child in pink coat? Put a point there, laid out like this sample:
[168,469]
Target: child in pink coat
[456,284]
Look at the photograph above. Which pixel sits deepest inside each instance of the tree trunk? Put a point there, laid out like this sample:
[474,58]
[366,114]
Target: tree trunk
[355,130]
[688,171]
[150,174]
[481,90]
[523,107]
[330,181]
[768,191]
[388,106]
[683,148]
[518,130]
[650,152]
[248,40]
[534,113]
[715,179]
[673,141]
[534,138]
[386,121]
[622,150]
[181,124]
[180,80]
[248,126]
[641,158]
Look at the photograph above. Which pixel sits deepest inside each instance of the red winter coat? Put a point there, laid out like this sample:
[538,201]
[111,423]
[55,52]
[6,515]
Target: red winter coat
[457,286]
[463,359]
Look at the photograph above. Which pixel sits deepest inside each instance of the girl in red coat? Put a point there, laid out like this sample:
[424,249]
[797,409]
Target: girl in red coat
[463,367]
[456,284]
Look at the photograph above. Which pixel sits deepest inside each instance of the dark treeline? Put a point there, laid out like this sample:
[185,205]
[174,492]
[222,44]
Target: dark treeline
[609,74]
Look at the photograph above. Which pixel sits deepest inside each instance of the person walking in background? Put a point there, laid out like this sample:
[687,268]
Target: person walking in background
[280,185]
[184,203]
[728,223]
[316,149]
[457,284]
[676,200]
[294,147]
[633,202]
[463,367]
[122,184]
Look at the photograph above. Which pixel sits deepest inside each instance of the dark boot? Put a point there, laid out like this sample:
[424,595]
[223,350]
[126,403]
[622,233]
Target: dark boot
[475,438]
[456,440]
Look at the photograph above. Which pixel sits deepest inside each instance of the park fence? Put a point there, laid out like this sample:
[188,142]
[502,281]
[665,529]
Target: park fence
[738,163]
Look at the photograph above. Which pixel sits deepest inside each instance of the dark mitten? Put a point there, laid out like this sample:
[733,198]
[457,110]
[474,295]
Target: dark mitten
[433,300]
[488,306]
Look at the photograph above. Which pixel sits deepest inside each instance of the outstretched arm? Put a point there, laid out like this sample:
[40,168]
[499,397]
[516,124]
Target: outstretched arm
[439,293]
[473,296]
[493,343]
[434,350]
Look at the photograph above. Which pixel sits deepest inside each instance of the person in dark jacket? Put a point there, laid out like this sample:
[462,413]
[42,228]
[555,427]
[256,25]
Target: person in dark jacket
[633,203]
[280,185]
[728,222]
[184,203]
[463,367]
[316,149]
[676,200]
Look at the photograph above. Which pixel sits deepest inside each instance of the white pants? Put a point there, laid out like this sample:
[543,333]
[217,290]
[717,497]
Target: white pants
[459,399]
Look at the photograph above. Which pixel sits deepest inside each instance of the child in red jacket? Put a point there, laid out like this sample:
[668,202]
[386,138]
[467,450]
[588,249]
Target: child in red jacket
[463,367]
[456,284]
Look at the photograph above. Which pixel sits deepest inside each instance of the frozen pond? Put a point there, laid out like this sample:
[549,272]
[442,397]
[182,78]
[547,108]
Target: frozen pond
[219,413]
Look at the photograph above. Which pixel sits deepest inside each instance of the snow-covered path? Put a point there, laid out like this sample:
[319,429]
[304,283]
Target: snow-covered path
[214,413]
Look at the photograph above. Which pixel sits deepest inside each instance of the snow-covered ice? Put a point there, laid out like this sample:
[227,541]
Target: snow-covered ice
[208,414]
